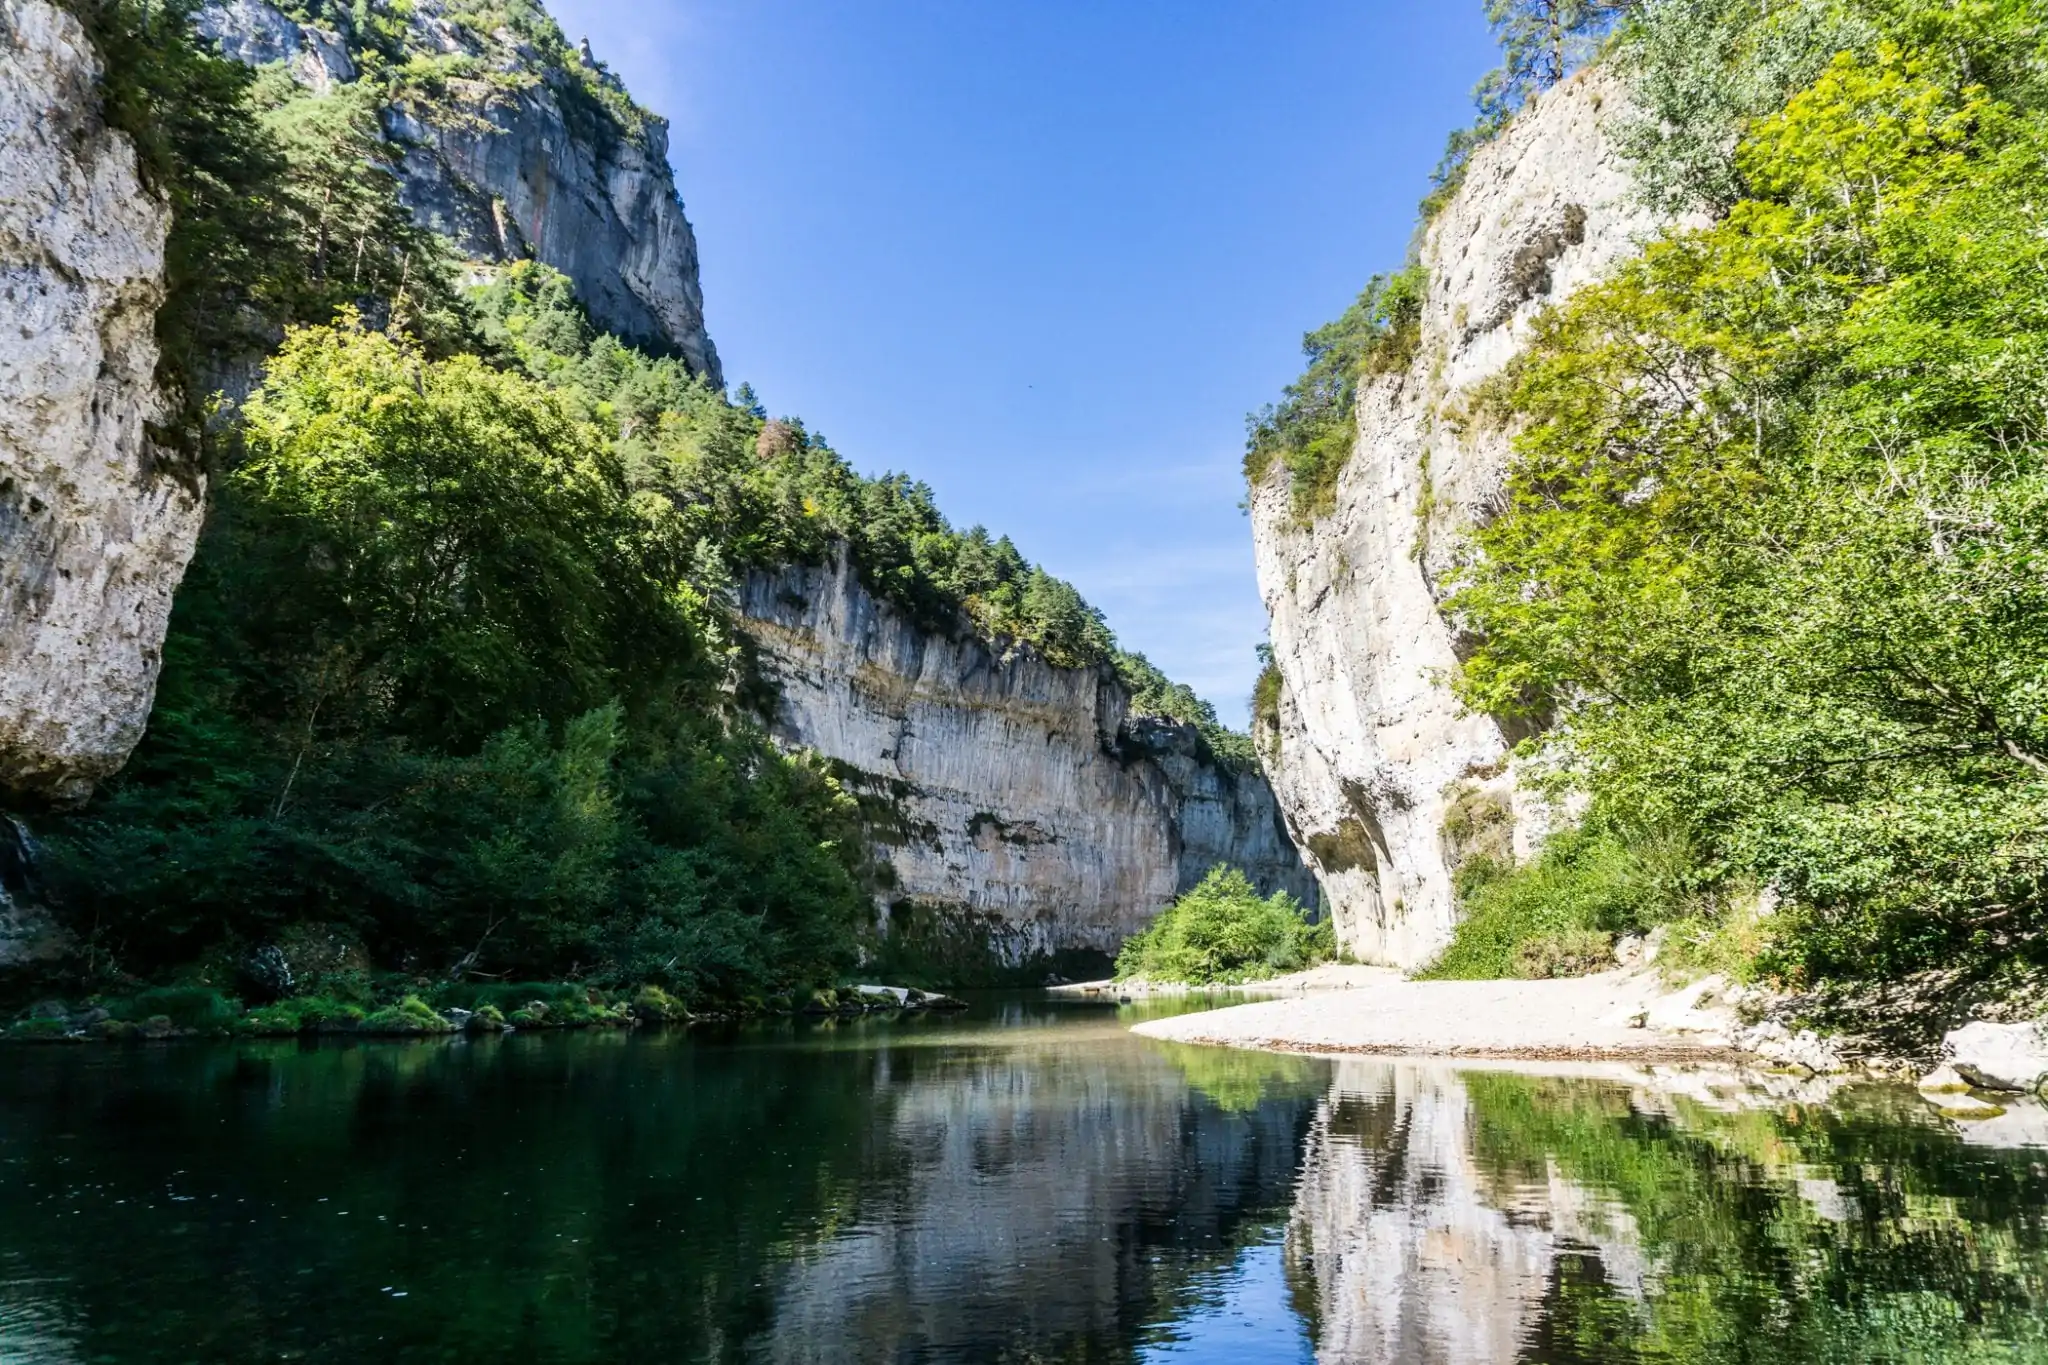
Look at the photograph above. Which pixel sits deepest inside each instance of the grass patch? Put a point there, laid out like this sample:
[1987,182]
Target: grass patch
[1223,932]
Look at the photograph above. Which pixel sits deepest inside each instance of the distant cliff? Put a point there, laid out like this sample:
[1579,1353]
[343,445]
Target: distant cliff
[1018,804]
[1387,781]
[515,147]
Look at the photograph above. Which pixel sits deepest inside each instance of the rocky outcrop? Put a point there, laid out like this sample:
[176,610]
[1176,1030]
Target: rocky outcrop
[1013,802]
[94,534]
[512,155]
[1387,782]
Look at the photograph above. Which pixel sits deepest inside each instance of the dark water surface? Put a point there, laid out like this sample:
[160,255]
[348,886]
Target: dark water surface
[1026,1184]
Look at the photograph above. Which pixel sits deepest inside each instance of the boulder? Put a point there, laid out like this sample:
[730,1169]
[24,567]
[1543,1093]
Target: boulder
[1999,1056]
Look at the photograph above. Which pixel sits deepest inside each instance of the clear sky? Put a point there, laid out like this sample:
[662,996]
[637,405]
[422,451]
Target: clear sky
[1045,255]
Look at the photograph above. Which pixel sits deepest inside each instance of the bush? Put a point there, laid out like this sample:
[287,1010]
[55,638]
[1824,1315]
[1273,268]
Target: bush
[411,1015]
[1222,932]
[193,1007]
[1558,915]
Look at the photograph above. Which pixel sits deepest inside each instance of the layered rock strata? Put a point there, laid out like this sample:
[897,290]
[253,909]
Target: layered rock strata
[1018,803]
[513,157]
[1386,781]
[94,533]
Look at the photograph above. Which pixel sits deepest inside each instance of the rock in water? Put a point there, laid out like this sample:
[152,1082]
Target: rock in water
[1999,1056]
[94,533]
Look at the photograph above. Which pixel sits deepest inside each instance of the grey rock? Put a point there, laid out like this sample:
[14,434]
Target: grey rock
[1027,804]
[523,165]
[1373,752]
[94,534]
[1999,1056]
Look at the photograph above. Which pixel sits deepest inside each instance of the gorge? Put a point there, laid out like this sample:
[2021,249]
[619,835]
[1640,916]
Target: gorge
[1017,808]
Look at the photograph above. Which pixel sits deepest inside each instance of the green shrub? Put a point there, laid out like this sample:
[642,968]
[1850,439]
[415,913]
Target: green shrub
[187,1007]
[1558,915]
[409,1016]
[1223,932]
[301,1014]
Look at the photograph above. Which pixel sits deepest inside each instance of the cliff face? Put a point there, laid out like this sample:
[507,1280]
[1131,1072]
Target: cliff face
[1014,801]
[1386,782]
[514,156]
[94,538]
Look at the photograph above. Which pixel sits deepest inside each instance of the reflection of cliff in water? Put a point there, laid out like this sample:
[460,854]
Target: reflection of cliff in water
[1046,1202]
[1410,1251]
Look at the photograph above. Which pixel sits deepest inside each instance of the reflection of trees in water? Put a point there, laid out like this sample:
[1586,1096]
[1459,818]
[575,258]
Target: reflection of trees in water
[1492,1217]
[602,1198]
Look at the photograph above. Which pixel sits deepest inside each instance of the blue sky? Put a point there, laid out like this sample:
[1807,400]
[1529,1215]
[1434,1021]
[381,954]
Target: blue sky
[1046,254]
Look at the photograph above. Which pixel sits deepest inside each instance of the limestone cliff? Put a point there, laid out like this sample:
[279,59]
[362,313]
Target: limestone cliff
[1385,780]
[513,151]
[94,535]
[1013,801]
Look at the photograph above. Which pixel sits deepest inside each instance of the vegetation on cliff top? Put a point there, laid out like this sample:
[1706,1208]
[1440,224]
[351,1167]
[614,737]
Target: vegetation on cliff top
[1772,543]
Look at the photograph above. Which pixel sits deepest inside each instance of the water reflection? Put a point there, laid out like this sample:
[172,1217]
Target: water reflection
[1492,1216]
[1029,1185]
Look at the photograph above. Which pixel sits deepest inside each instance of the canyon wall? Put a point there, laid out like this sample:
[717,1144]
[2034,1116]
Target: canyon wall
[95,533]
[1386,781]
[1014,802]
[512,156]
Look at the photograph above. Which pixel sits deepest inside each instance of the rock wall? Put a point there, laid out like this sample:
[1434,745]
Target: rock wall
[521,159]
[94,535]
[1017,801]
[1386,781]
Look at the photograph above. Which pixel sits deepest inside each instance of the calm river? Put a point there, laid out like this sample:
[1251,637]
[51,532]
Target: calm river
[1027,1183]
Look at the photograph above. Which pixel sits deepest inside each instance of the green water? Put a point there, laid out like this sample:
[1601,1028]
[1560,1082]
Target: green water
[1025,1184]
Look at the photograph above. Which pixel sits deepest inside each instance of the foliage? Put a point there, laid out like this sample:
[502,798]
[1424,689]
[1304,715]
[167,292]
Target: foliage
[1312,430]
[1223,932]
[198,147]
[1155,694]
[1559,914]
[751,491]
[1773,536]
[436,677]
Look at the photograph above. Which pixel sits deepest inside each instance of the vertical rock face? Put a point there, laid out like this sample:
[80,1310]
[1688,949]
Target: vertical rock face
[514,157]
[1019,802]
[94,536]
[1386,781]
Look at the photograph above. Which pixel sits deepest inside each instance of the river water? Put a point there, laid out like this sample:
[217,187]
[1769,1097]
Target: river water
[1027,1183]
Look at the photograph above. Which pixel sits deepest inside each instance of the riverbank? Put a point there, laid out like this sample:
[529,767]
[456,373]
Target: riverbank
[1614,1016]
[1330,977]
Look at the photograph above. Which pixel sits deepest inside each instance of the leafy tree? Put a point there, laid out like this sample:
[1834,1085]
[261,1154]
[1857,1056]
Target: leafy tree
[1772,536]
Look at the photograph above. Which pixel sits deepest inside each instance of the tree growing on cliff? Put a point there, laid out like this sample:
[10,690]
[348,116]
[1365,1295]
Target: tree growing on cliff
[1541,42]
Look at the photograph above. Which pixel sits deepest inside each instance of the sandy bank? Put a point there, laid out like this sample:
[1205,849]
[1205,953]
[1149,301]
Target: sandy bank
[1619,1016]
[1331,977]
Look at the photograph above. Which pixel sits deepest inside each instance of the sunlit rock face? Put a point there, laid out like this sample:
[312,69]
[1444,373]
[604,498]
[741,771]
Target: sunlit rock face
[1373,751]
[1020,802]
[94,533]
[517,160]
[1418,1252]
